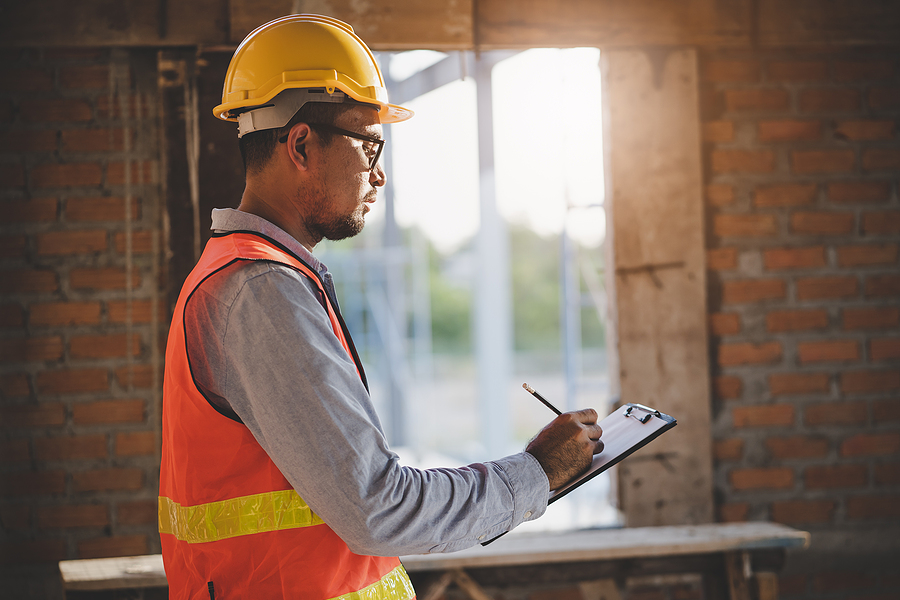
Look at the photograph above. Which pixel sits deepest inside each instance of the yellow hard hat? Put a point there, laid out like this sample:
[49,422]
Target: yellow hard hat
[299,59]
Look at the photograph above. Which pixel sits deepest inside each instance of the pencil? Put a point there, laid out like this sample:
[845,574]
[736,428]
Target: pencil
[532,391]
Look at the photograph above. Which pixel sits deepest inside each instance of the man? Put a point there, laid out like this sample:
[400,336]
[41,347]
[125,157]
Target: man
[276,480]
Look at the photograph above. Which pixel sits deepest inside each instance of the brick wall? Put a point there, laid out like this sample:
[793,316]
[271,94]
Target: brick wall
[802,156]
[79,305]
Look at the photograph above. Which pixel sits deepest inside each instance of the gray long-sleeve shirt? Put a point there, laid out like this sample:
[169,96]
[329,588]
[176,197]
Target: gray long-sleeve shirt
[262,350]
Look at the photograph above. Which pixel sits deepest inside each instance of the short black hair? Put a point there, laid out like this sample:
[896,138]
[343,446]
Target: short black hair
[258,147]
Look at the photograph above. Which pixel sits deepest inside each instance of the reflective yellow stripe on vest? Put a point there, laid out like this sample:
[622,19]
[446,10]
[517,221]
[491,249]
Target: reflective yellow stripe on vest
[393,586]
[230,518]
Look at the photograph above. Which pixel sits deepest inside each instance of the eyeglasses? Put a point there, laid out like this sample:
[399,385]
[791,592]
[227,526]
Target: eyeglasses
[372,149]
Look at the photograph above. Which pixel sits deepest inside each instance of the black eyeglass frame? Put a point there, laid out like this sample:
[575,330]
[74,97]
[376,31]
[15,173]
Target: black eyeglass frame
[351,134]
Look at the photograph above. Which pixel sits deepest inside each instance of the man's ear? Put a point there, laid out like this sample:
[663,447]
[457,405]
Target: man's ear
[298,145]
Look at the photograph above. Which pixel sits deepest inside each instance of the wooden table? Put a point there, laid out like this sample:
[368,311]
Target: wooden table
[737,561]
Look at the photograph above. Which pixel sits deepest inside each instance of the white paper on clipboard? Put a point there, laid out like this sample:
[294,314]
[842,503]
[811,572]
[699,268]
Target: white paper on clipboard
[625,430]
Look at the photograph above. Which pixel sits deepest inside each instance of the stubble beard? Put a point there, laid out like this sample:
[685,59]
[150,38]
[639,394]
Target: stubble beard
[339,227]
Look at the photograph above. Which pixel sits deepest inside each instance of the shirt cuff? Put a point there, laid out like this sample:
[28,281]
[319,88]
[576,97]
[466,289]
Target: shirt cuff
[530,486]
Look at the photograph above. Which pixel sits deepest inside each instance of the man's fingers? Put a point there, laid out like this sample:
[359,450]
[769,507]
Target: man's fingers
[598,448]
[586,415]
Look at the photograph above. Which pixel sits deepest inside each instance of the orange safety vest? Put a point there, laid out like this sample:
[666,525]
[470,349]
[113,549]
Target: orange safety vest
[230,523]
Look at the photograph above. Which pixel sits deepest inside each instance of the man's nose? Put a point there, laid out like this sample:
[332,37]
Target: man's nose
[377,176]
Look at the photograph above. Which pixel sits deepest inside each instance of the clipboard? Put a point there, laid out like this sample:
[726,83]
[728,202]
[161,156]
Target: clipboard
[625,431]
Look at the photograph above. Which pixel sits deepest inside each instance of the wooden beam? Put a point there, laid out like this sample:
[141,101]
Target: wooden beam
[655,222]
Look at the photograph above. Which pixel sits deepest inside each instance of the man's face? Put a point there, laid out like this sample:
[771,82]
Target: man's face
[345,186]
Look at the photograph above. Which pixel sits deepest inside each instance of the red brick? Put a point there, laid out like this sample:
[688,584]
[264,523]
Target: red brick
[886,411]
[12,176]
[871,318]
[55,110]
[137,375]
[37,210]
[835,476]
[136,105]
[873,507]
[719,194]
[92,77]
[822,223]
[71,516]
[828,351]
[757,100]
[766,415]
[103,346]
[72,381]
[140,172]
[64,313]
[725,323]
[796,320]
[70,448]
[882,222]
[745,225]
[12,246]
[869,381]
[865,130]
[27,141]
[141,242]
[15,517]
[798,70]
[867,255]
[871,444]
[13,451]
[68,53]
[742,161]
[789,131]
[777,478]
[829,100]
[822,161]
[746,353]
[721,259]
[33,415]
[797,446]
[879,286]
[789,194]
[859,192]
[13,385]
[109,278]
[752,290]
[55,243]
[802,511]
[108,411]
[26,80]
[11,315]
[881,98]
[836,413]
[863,70]
[712,104]
[881,159]
[136,443]
[728,387]
[53,175]
[718,131]
[731,449]
[141,312]
[95,140]
[108,547]
[139,512]
[103,480]
[817,288]
[33,483]
[40,551]
[45,348]
[794,258]
[887,474]
[733,512]
[101,209]
[786,384]
[884,348]
[731,71]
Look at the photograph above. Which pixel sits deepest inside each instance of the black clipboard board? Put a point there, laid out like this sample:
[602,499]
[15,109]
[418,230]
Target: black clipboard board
[625,431]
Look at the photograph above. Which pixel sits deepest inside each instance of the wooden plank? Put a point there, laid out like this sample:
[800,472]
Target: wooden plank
[837,22]
[113,573]
[382,24]
[612,544]
[655,224]
[766,586]
[736,567]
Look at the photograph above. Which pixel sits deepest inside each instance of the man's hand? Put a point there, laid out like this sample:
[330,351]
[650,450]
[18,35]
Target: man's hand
[567,445]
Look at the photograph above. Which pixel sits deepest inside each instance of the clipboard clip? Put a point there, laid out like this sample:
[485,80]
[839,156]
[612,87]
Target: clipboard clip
[651,412]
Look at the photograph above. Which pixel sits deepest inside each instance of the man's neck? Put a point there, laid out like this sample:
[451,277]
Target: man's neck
[273,212]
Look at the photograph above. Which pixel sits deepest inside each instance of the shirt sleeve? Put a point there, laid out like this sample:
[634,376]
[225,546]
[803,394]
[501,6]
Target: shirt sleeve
[295,387]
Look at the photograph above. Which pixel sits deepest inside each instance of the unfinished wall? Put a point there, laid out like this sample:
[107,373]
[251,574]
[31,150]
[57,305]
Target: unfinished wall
[802,155]
[79,270]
